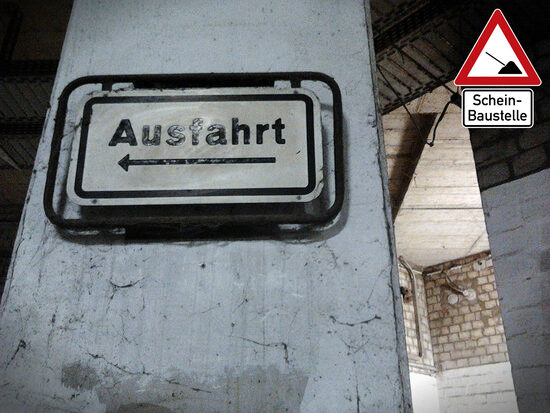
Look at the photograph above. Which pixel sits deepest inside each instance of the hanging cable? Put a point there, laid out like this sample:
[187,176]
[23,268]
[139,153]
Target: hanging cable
[400,100]
[451,284]
[412,279]
[456,100]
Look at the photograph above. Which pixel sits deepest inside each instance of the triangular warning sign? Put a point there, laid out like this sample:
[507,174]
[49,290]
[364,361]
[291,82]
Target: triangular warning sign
[497,59]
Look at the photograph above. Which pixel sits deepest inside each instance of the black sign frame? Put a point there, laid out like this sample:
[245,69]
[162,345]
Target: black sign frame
[106,217]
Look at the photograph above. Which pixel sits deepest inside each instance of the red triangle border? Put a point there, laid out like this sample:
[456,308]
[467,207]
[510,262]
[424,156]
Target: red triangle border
[497,19]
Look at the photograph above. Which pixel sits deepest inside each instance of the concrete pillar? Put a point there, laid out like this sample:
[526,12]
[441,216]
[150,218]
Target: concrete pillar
[512,168]
[93,324]
[518,225]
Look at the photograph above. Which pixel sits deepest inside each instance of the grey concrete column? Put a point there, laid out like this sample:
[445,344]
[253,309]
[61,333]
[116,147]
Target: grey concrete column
[103,324]
[518,225]
[512,167]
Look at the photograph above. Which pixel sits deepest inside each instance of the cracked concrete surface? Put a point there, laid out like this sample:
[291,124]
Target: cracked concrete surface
[97,323]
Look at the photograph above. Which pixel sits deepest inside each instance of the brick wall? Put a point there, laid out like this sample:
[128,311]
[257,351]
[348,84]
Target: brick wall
[470,332]
[503,155]
[424,363]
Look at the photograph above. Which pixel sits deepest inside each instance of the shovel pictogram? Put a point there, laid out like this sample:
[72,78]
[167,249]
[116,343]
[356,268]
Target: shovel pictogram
[509,68]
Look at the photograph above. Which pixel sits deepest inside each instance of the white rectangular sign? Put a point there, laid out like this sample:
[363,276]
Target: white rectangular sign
[197,147]
[497,108]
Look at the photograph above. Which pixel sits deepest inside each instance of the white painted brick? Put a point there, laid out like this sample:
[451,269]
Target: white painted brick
[492,349]
[480,351]
[449,365]
[491,303]
[481,384]
[495,340]
[489,331]
[475,400]
[477,333]
[499,358]
[486,359]
[480,389]
[483,341]
[474,361]
[475,307]
[460,345]
[456,391]
[478,324]
[464,335]
[498,397]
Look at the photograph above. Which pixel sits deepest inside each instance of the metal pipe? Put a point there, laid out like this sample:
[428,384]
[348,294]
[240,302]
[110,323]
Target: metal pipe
[415,305]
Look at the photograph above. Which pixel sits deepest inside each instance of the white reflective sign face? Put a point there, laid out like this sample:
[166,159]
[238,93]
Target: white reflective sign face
[201,146]
[497,108]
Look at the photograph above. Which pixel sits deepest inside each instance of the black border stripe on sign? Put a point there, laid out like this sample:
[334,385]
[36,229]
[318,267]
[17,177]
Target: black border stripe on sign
[197,192]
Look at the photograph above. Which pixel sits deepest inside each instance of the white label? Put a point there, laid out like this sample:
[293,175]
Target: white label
[199,146]
[497,108]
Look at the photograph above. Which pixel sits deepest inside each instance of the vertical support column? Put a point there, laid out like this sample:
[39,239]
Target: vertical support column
[100,323]
[512,167]
[519,233]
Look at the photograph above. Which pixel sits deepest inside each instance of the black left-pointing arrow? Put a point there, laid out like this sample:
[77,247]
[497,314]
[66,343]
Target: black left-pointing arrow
[126,161]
